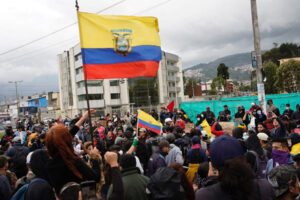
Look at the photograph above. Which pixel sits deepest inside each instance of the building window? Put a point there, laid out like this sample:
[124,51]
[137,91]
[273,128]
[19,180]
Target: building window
[114,83]
[90,83]
[79,70]
[78,57]
[91,97]
[115,96]
[171,84]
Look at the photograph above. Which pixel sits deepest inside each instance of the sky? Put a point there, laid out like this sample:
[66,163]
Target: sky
[199,31]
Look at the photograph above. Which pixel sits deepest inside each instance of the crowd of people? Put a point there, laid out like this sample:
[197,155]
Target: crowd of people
[114,159]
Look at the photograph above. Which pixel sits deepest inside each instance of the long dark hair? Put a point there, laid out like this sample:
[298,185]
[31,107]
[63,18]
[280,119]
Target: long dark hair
[237,178]
[253,144]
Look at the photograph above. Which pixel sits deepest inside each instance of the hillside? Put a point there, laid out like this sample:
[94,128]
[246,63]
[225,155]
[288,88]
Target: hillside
[239,68]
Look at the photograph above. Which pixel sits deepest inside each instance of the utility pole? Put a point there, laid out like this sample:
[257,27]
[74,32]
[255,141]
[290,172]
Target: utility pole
[256,35]
[17,94]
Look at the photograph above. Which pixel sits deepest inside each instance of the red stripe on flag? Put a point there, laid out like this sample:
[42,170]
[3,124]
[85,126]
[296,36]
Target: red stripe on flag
[121,70]
[151,129]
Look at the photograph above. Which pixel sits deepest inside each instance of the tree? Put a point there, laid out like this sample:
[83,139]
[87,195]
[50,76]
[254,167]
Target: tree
[218,83]
[285,50]
[270,75]
[190,85]
[223,71]
[288,76]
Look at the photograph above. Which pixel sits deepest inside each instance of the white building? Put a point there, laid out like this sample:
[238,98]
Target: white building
[111,95]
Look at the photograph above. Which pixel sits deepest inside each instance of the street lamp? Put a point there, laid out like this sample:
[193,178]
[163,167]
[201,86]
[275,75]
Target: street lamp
[17,94]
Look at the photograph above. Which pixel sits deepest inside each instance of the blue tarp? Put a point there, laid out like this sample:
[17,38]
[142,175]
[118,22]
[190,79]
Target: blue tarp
[38,102]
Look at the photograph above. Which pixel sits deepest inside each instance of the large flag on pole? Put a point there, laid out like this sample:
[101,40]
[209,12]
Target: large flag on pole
[171,106]
[119,46]
[147,121]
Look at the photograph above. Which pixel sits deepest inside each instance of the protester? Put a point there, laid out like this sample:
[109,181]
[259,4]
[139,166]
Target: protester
[158,159]
[175,154]
[133,182]
[280,155]
[65,166]
[285,182]
[270,107]
[5,189]
[209,116]
[236,178]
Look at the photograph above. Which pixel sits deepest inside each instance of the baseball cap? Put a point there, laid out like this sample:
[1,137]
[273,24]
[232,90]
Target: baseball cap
[168,120]
[196,139]
[281,177]
[223,148]
[252,104]
[142,130]
[262,136]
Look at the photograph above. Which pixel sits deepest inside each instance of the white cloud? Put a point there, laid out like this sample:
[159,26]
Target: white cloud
[198,31]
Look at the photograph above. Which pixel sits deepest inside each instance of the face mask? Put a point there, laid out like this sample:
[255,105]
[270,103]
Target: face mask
[202,115]
[198,119]
[109,124]
[287,108]
[259,112]
[245,136]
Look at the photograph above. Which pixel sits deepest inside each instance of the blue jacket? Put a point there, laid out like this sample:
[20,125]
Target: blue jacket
[156,161]
[191,156]
[270,165]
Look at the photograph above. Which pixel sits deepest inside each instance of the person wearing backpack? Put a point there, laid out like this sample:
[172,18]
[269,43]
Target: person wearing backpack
[18,154]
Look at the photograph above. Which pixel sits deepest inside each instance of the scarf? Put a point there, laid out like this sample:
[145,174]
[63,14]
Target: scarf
[280,157]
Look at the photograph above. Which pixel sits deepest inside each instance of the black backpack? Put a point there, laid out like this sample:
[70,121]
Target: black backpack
[165,184]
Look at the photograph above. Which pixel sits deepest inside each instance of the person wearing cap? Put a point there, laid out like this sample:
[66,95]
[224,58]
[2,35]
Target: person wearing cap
[195,156]
[236,180]
[288,111]
[280,154]
[168,122]
[242,115]
[175,154]
[285,182]
[158,159]
[210,116]
[296,114]
[265,144]
[253,108]
[270,107]
[217,130]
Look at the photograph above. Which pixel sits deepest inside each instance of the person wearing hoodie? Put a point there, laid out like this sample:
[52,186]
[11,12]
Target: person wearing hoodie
[280,155]
[40,187]
[175,154]
[279,130]
[217,130]
[158,159]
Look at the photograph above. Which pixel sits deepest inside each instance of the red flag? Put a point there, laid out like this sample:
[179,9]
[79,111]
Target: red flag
[171,106]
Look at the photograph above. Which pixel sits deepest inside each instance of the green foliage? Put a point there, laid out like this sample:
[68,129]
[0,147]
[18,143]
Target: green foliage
[212,92]
[245,88]
[223,71]
[218,83]
[288,76]
[285,50]
[188,90]
[270,75]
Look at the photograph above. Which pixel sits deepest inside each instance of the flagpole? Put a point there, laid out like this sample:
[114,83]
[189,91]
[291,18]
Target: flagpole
[86,90]
[137,124]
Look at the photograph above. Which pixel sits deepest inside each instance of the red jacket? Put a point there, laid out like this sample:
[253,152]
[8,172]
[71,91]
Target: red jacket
[215,132]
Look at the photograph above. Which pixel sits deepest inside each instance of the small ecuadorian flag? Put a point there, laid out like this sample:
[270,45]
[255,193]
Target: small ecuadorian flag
[147,121]
[119,46]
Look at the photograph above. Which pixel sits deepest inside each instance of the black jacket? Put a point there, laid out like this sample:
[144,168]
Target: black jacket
[40,190]
[60,174]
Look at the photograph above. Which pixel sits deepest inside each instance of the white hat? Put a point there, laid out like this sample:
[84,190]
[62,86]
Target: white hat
[28,158]
[252,104]
[143,130]
[262,136]
[168,120]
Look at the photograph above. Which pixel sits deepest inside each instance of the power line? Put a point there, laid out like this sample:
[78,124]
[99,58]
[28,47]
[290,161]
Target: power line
[39,50]
[54,32]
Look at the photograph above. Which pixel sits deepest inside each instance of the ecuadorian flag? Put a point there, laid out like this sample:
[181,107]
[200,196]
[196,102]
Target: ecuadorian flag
[119,46]
[147,121]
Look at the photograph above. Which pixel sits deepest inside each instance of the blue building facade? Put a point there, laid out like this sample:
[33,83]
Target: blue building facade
[38,102]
